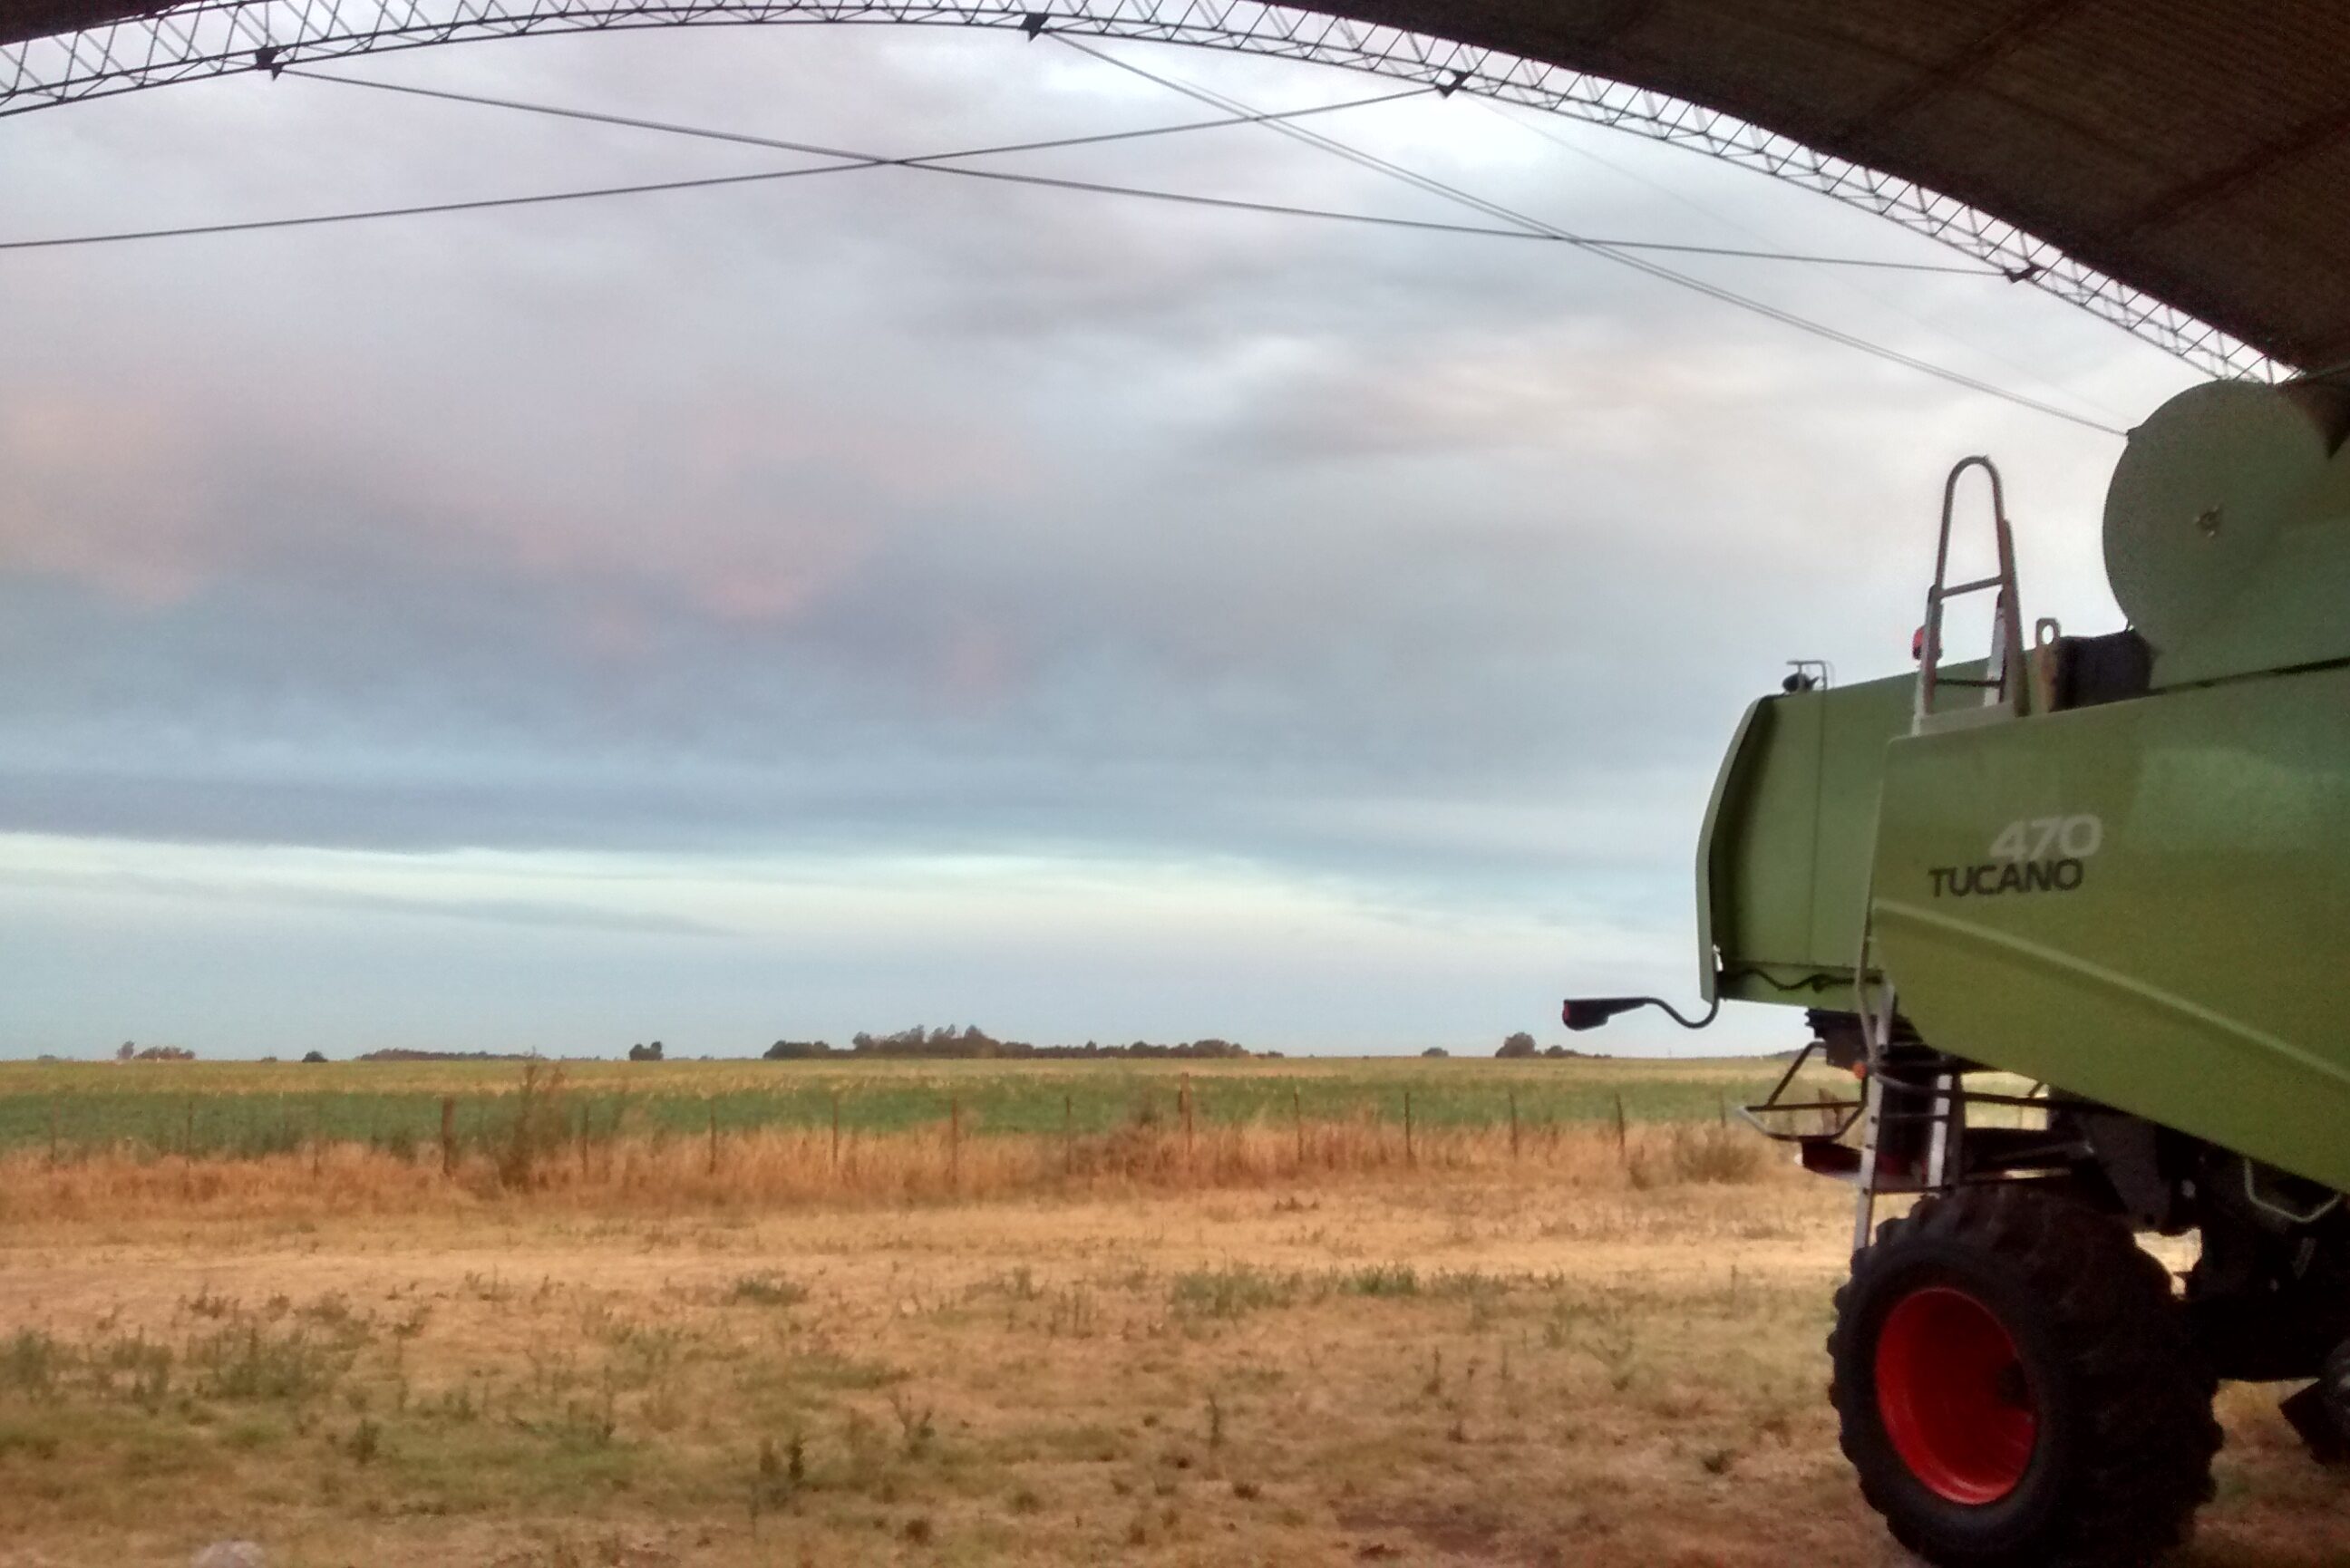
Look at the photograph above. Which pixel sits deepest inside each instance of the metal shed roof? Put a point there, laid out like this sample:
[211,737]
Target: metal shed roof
[2194,150]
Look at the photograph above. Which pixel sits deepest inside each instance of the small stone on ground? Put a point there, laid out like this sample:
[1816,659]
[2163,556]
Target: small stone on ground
[230,1554]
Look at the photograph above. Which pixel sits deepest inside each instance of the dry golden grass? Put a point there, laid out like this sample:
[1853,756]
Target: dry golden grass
[547,1165]
[1581,1356]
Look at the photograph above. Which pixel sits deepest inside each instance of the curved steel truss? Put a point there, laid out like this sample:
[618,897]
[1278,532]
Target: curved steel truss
[217,38]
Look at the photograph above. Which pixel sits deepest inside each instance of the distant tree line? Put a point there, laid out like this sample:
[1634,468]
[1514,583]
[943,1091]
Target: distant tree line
[966,1042]
[1521,1044]
[971,1042]
[132,1051]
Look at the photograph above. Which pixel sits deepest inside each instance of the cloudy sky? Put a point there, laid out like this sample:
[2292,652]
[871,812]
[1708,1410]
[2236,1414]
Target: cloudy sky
[882,597]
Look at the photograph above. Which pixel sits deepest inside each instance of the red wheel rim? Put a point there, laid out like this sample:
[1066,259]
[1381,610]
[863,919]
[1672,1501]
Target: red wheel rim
[1954,1395]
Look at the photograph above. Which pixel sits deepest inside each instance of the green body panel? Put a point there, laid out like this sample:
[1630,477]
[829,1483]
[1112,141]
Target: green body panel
[2197,971]
[2142,901]
[1783,863]
[1711,845]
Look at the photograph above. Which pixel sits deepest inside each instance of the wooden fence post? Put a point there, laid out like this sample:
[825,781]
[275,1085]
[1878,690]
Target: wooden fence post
[1409,1157]
[188,1143]
[955,1142]
[1623,1153]
[1513,1126]
[448,1134]
[1068,1133]
[1186,1098]
[836,1127]
[714,1136]
[1297,1119]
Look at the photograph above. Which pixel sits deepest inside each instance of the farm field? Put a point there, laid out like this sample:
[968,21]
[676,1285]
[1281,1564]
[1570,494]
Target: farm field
[1452,1369]
[1117,1346]
[234,1108]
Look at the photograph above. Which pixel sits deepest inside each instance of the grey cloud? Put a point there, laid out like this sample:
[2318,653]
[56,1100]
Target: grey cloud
[883,512]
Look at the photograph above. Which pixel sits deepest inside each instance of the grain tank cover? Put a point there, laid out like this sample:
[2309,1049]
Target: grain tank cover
[2227,530]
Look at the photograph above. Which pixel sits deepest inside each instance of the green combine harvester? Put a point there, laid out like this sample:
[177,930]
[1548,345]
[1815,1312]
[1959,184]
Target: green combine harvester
[2077,915]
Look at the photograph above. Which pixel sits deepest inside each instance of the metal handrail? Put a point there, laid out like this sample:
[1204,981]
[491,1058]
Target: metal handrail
[2007,642]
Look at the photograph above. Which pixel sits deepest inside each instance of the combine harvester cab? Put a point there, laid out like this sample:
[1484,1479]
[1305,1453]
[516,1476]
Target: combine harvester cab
[2077,917]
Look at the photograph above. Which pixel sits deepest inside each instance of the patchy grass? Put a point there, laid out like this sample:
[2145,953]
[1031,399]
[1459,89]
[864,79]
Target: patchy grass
[1381,1280]
[769,1289]
[1423,1365]
[1231,1291]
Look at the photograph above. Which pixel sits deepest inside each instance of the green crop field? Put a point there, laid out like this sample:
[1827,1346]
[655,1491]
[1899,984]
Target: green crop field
[211,1109]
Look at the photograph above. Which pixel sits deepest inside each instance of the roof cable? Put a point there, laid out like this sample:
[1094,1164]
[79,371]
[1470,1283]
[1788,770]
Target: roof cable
[1615,254]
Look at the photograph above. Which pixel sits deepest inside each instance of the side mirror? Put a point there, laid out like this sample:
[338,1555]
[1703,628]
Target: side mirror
[1591,1012]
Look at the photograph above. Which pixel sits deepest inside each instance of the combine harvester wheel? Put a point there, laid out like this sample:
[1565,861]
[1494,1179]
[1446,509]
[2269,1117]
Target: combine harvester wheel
[2017,1385]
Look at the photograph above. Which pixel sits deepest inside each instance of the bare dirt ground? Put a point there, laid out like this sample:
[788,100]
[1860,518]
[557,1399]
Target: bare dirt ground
[1440,1369]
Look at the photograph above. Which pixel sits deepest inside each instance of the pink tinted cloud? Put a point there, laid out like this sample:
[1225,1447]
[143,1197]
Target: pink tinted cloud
[748,509]
[979,668]
[919,461]
[108,493]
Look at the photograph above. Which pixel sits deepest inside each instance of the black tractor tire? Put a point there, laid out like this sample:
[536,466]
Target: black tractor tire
[2017,1387]
[2321,1412]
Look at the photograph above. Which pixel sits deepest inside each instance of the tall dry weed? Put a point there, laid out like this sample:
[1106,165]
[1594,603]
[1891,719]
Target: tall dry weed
[539,1123]
[1690,1155]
